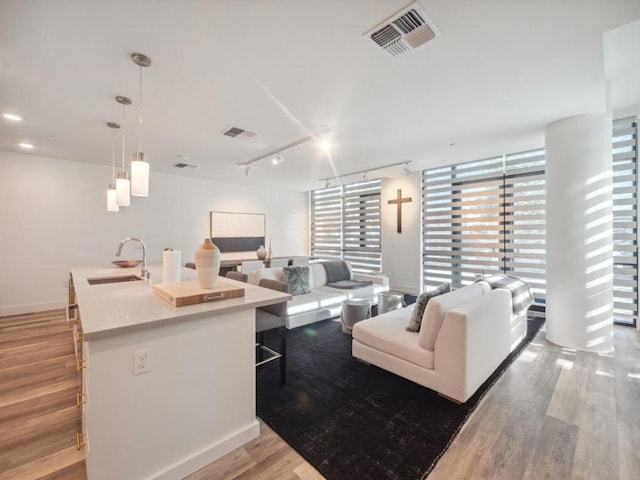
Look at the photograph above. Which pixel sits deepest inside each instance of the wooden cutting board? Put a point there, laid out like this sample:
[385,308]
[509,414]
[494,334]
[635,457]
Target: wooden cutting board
[181,294]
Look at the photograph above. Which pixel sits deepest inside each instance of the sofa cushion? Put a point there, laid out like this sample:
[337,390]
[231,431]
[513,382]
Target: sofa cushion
[366,291]
[318,276]
[297,279]
[421,303]
[315,300]
[438,307]
[388,334]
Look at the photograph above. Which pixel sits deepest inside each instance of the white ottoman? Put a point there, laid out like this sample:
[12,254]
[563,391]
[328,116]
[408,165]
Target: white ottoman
[353,311]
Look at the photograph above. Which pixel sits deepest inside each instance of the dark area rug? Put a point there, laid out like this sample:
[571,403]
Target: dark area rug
[353,421]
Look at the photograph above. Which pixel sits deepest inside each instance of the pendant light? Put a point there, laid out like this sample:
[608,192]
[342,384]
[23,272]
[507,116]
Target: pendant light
[123,185]
[112,204]
[139,164]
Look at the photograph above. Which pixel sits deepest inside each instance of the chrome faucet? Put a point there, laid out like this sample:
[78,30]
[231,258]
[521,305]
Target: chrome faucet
[144,273]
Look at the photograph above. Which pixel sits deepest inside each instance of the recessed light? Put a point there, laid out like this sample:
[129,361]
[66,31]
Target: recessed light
[12,117]
[26,146]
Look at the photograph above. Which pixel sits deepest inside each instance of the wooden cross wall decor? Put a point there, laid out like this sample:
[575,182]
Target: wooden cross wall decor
[399,201]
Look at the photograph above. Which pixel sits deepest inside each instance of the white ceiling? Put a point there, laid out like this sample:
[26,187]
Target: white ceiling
[488,84]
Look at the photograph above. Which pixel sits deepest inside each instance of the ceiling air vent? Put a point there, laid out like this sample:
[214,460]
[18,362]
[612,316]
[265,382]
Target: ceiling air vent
[183,165]
[404,31]
[236,132]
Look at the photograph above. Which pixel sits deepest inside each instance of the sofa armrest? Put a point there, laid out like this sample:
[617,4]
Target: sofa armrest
[474,339]
[376,278]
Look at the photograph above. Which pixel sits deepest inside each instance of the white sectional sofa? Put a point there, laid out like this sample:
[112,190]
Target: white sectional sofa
[322,302]
[465,335]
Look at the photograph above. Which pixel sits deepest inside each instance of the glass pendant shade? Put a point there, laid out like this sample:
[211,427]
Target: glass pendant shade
[139,175]
[123,189]
[112,204]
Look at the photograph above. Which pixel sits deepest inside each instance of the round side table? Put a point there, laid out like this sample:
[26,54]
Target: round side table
[353,311]
[388,301]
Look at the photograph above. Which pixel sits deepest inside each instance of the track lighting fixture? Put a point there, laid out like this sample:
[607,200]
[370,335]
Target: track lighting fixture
[247,170]
[276,155]
[277,159]
[365,173]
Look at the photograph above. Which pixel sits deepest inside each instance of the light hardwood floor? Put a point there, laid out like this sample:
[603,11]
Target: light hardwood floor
[555,414]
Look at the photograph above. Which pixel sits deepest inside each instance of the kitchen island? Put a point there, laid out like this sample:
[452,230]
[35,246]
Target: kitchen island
[165,390]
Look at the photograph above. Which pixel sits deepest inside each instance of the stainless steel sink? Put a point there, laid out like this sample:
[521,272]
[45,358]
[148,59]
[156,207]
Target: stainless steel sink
[114,279]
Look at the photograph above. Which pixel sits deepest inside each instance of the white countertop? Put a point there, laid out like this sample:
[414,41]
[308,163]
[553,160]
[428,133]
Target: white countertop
[114,308]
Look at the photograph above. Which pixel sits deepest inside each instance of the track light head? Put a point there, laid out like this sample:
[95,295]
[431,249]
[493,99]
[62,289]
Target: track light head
[405,169]
[247,170]
[277,159]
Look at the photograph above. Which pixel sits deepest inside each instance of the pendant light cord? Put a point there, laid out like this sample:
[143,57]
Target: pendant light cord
[140,116]
[113,155]
[123,169]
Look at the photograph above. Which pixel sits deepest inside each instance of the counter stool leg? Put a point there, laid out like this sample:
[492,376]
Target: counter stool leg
[283,352]
[260,340]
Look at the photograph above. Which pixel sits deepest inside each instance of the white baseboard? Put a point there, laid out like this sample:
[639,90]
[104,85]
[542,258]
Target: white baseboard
[210,454]
[31,308]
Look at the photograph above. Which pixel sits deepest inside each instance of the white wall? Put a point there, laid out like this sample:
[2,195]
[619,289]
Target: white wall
[53,217]
[401,255]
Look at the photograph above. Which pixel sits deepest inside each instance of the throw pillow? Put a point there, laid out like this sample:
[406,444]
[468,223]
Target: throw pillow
[297,279]
[421,303]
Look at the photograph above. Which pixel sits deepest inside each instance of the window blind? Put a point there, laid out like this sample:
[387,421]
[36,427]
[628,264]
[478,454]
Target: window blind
[326,223]
[484,217]
[461,210]
[361,226]
[345,224]
[625,233]
[523,242]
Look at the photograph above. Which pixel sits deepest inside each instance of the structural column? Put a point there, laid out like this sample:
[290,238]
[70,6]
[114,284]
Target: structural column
[579,238]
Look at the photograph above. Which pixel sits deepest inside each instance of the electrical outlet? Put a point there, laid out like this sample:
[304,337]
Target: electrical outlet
[141,362]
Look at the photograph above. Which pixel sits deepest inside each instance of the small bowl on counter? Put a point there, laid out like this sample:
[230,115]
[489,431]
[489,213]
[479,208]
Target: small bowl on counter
[126,263]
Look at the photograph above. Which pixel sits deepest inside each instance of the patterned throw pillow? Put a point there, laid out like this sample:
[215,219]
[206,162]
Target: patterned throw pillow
[297,279]
[421,304]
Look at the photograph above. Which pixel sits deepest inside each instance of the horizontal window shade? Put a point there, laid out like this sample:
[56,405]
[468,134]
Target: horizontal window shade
[345,224]
[523,241]
[625,244]
[461,211]
[326,223]
[485,217]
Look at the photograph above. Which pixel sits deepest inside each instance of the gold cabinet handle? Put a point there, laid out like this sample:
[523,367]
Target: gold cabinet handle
[80,399]
[81,364]
[79,336]
[80,437]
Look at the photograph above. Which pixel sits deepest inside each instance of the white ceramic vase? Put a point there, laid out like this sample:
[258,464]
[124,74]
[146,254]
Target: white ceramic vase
[208,263]
[261,253]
